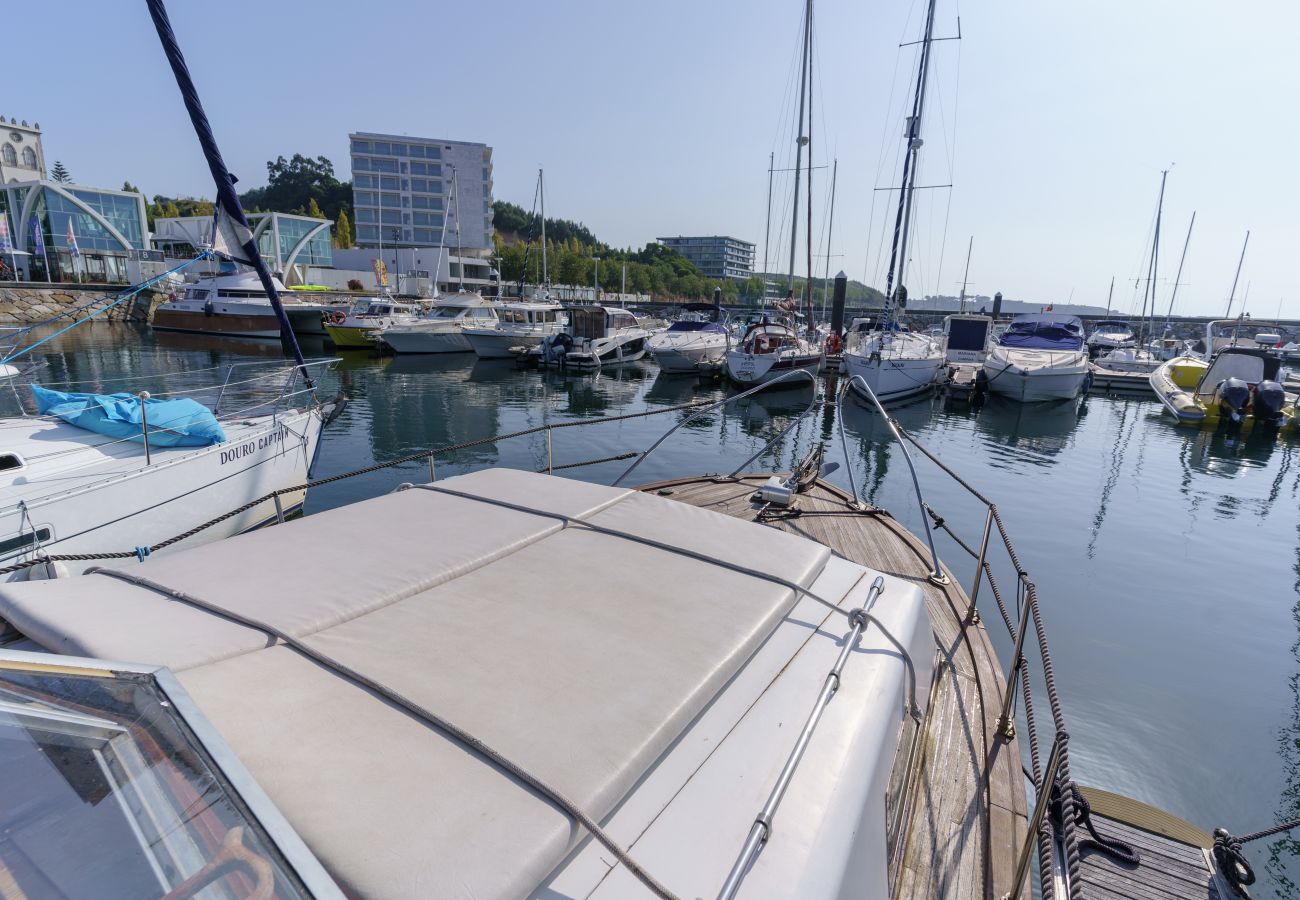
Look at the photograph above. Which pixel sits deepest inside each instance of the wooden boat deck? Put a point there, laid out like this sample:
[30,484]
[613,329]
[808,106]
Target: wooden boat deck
[964,818]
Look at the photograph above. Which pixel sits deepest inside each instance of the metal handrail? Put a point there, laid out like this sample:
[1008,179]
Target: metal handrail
[785,376]
[936,571]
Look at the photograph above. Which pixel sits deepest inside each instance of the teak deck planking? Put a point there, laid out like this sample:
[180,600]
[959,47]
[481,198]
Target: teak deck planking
[968,791]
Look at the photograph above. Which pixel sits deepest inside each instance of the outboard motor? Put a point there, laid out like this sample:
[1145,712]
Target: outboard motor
[1269,400]
[1232,395]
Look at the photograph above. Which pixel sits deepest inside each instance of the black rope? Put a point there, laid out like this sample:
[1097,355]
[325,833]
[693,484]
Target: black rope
[1113,847]
[1232,861]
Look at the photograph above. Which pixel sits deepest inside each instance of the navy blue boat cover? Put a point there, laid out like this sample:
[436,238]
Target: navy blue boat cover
[172,423]
[1044,332]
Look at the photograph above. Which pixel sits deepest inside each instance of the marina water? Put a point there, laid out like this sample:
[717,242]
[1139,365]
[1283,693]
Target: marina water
[1167,559]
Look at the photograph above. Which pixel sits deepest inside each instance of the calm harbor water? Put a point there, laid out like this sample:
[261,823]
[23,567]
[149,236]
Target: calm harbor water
[1167,559]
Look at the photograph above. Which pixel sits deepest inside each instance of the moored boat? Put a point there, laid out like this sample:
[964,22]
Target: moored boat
[694,344]
[441,329]
[895,364]
[768,350]
[360,326]
[1110,334]
[519,326]
[233,305]
[594,337]
[1039,357]
[1240,387]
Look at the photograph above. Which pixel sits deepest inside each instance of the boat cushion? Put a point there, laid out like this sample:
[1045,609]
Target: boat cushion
[580,655]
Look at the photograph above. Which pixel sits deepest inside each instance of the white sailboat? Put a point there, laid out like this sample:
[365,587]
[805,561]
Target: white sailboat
[897,364]
[772,346]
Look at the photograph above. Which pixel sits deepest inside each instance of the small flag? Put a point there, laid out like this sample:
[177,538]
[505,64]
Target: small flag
[72,240]
[38,239]
[5,246]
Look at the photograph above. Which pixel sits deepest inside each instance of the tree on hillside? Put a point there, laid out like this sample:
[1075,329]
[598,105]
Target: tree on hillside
[343,230]
[294,183]
[60,174]
[313,209]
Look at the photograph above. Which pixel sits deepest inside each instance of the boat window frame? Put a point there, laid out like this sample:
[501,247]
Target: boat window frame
[285,838]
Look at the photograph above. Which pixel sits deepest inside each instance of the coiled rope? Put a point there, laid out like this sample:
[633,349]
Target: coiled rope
[1232,861]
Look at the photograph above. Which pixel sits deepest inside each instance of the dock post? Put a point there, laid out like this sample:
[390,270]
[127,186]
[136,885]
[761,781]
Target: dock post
[837,304]
[144,426]
[433,470]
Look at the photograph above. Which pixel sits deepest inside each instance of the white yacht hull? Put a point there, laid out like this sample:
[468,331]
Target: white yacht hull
[752,369]
[605,352]
[893,378]
[138,505]
[682,358]
[492,344]
[1033,375]
[420,341]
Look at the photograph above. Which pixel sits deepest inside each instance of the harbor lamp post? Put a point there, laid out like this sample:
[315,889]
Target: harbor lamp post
[397,260]
[596,281]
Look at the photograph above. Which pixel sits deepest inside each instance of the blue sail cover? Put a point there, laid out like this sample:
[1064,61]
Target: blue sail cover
[1044,332]
[172,423]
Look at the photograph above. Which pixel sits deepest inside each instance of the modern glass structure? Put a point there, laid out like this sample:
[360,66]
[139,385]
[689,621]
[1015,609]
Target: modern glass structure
[107,226]
[288,243]
[401,192]
[716,256]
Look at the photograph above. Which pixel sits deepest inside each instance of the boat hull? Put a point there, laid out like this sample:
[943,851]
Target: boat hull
[350,336]
[228,324]
[689,359]
[892,378]
[416,341]
[493,345]
[1031,376]
[752,369]
[180,491]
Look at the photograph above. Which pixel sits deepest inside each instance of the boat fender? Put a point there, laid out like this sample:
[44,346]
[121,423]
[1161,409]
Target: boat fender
[1087,382]
[1233,394]
[1270,397]
[207,309]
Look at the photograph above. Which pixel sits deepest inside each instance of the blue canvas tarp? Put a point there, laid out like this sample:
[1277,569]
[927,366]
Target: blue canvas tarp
[1044,332]
[172,423]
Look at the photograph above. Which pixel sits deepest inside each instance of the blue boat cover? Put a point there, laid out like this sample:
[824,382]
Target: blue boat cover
[697,326]
[172,423]
[1044,332]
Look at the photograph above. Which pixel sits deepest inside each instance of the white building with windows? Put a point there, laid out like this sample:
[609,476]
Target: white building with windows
[21,156]
[402,192]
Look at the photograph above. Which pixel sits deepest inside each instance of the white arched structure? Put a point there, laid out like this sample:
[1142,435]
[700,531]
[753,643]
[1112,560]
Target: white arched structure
[23,235]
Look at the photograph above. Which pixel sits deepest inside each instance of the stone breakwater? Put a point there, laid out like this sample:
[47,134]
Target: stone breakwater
[28,305]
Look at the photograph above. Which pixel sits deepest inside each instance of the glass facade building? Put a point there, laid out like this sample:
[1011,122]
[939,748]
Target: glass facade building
[107,225]
[716,256]
[287,242]
[402,192]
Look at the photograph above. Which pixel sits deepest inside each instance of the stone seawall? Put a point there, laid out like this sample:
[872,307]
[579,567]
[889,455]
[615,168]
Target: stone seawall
[24,305]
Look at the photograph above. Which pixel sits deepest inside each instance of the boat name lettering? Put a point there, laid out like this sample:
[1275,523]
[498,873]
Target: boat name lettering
[249,447]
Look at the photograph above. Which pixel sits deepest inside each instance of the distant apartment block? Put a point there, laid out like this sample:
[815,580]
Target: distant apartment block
[716,256]
[402,192]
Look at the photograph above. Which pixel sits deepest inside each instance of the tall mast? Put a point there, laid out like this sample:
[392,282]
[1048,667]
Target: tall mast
[767,235]
[830,233]
[1233,295]
[1179,277]
[541,189]
[799,140]
[455,193]
[808,226]
[1110,296]
[1149,313]
[903,219]
[961,301]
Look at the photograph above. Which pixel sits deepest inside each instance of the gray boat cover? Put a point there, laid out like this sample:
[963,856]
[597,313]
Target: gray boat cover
[581,656]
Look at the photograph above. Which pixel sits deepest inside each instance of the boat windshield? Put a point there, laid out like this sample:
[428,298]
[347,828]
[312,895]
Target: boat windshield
[1108,325]
[109,793]
[448,312]
[697,326]
[1251,368]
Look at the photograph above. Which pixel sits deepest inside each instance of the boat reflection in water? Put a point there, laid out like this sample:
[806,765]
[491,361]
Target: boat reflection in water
[1035,433]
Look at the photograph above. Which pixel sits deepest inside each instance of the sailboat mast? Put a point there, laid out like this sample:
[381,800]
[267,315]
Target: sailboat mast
[1179,277]
[903,219]
[961,301]
[1148,313]
[799,140]
[1233,295]
[455,193]
[767,234]
[830,233]
[1110,296]
[541,190]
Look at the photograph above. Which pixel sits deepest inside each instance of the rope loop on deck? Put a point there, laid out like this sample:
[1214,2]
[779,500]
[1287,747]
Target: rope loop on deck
[1232,860]
[1116,849]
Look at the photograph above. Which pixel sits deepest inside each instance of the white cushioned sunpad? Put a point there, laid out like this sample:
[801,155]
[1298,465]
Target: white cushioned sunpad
[579,655]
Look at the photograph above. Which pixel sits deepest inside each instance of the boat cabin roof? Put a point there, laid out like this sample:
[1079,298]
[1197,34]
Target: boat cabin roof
[1043,332]
[1251,364]
[1115,324]
[685,325]
[637,654]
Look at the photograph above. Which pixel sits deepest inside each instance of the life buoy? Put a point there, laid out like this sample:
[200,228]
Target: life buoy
[833,343]
[337,317]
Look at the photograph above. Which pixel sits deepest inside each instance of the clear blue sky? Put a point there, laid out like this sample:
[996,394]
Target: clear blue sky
[1052,120]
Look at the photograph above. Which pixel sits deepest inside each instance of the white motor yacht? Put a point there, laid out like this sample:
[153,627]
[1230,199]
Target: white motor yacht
[894,364]
[235,305]
[1039,357]
[1110,334]
[519,326]
[595,336]
[441,330]
[694,343]
[362,324]
[769,349]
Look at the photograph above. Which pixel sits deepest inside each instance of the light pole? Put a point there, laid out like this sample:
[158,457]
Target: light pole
[595,297]
[397,260]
